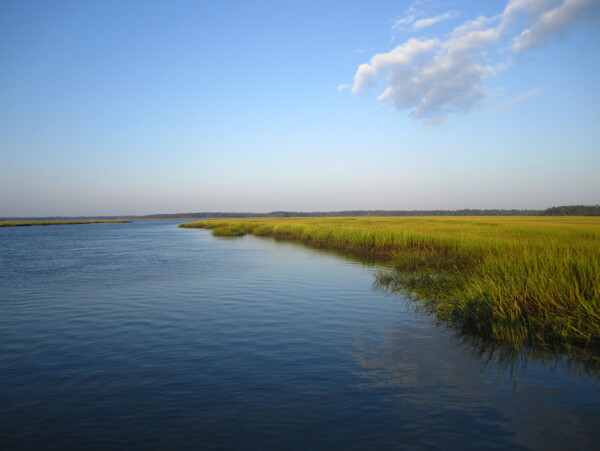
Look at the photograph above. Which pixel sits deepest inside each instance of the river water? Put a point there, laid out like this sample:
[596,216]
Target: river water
[146,335]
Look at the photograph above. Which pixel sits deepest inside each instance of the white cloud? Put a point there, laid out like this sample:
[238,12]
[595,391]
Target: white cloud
[409,16]
[433,78]
[403,23]
[364,78]
[554,22]
[414,18]
[535,7]
[429,21]
[343,87]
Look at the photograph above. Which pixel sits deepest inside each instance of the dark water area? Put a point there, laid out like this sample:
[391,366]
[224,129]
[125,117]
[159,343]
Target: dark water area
[145,335]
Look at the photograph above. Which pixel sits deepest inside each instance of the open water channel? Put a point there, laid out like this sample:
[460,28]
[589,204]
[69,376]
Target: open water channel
[146,335]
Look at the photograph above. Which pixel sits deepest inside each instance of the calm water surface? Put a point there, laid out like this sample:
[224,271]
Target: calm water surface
[145,335]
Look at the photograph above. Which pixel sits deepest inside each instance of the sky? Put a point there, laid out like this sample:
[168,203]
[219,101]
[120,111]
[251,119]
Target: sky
[133,107]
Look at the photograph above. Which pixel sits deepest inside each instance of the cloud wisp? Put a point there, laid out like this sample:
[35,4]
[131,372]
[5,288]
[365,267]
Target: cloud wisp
[429,21]
[413,22]
[515,101]
[436,77]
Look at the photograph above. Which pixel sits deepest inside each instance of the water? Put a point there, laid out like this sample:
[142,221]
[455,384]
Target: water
[145,335]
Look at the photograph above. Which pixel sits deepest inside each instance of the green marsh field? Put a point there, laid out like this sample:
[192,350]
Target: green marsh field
[531,281]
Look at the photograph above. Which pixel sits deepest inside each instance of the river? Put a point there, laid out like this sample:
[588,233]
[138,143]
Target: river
[146,335]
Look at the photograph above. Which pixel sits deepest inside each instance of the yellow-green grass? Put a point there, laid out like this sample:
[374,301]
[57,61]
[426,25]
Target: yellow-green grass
[519,280]
[57,222]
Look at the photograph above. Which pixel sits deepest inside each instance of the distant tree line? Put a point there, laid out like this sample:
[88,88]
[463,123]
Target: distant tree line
[347,213]
[567,210]
[574,210]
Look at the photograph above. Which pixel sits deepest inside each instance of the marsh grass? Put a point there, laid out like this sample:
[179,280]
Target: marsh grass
[228,231]
[57,222]
[517,280]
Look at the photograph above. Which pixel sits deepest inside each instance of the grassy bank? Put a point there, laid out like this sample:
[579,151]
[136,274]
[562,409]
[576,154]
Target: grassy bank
[44,223]
[518,280]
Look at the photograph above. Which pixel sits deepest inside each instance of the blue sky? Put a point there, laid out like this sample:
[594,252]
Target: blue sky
[138,107]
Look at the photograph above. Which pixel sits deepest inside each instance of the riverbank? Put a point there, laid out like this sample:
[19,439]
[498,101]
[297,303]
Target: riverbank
[517,280]
[58,222]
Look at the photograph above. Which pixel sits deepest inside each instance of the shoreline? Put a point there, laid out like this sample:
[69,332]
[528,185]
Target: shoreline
[60,222]
[522,281]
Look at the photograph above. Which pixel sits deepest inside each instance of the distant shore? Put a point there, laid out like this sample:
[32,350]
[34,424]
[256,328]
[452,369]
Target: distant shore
[565,210]
[58,222]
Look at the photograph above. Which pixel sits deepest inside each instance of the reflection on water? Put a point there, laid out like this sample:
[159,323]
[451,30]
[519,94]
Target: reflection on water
[517,360]
[490,351]
[504,399]
[145,335]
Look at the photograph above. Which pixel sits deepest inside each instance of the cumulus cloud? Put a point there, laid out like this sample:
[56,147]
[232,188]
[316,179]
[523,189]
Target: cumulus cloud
[435,77]
[343,87]
[555,21]
[429,76]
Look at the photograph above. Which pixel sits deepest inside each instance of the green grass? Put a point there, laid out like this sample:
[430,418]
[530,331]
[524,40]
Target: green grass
[516,280]
[58,222]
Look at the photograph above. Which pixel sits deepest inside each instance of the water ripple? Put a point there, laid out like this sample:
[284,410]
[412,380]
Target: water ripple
[144,335]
